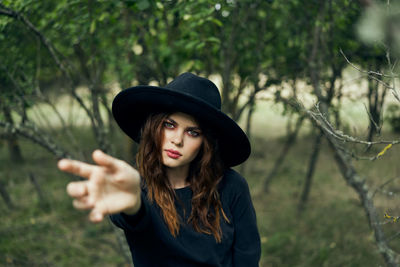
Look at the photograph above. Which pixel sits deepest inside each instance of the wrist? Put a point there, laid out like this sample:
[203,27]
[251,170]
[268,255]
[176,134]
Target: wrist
[135,208]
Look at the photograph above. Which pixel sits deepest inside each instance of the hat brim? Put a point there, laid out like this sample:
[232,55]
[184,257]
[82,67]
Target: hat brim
[132,106]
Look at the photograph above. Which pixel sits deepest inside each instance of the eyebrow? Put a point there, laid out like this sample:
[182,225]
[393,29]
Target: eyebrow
[190,127]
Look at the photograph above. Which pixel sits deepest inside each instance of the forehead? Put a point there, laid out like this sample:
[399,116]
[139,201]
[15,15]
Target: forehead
[183,118]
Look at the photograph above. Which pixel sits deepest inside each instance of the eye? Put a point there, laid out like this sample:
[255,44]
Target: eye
[193,133]
[168,125]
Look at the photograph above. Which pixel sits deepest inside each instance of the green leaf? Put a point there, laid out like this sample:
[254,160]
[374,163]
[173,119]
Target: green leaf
[217,22]
[200,45]
[213,40]
[143,4]
[92,27]
[190,45]
[103,16]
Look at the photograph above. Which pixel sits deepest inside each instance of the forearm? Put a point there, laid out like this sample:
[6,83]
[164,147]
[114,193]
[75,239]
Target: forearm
[136,206]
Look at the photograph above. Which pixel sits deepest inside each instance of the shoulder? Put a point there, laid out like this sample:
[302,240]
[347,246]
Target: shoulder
[234,176]
[234,193]
[233,182]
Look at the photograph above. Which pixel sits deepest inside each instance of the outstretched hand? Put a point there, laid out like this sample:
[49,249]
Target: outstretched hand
[112,186]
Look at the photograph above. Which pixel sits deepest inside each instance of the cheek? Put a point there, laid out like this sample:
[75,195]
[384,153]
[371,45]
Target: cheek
[195,146]
[164,137]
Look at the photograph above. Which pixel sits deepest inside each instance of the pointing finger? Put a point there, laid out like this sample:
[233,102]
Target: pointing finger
[76,167]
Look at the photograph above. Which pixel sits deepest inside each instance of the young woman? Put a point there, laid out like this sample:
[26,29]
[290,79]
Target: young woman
[184,206]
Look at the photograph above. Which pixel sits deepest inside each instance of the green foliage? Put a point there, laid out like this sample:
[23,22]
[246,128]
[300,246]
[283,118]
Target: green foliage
[103,42]
[128,42]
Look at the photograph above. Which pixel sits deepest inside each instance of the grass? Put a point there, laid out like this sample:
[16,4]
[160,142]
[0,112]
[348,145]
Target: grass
[31,235]
[332,231]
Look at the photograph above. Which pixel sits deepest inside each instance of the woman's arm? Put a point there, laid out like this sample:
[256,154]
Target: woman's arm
[112,186]
[246,243]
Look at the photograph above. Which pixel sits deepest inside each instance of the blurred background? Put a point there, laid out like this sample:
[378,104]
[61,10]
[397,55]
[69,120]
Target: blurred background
[313,83]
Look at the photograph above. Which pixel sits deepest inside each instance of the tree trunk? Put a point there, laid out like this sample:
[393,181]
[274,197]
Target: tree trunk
[249,116]
[248,128]
[5,196]
[343,160]
[351,176]
[11,138]
[354,180]
[43,201]
[291,138]
[310,173]
[375,104]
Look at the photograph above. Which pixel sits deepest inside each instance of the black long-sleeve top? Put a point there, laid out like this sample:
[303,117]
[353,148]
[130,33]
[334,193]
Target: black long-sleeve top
[152,244]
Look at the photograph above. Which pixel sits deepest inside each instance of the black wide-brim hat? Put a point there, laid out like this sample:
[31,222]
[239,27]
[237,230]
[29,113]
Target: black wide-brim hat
[189,94]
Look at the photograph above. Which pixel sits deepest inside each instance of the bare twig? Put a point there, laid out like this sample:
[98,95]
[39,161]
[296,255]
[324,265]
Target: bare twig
[322,121]
[32,133]
[379,188]
[393,237]
[377,127]
[368,72]
[53,52]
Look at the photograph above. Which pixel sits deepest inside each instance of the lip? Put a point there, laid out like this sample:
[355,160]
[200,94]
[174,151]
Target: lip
[173,153]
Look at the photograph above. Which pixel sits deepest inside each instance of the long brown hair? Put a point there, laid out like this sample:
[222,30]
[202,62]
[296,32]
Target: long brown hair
[205,173]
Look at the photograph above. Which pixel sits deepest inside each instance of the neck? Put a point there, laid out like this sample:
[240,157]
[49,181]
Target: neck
[178,177]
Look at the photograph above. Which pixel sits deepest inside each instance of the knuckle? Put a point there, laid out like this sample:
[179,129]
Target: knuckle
[99,173]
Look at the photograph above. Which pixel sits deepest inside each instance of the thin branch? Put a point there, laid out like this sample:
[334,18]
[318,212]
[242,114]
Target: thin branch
[369,72]
[377,127]
[322,121]
[45,41]
[6,12]
[32,133]
[52,51]
[379,188]
[393,237]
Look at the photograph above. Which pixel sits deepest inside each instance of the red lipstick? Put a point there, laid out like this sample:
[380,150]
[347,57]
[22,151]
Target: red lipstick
[173,153]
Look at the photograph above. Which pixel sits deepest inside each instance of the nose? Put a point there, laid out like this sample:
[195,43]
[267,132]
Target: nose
[177,139]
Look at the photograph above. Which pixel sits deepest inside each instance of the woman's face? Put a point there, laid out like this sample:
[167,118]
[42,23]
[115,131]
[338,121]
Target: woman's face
[182,140]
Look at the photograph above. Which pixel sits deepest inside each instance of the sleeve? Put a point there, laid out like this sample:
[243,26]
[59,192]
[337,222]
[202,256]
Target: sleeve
[135,222]
[246,243]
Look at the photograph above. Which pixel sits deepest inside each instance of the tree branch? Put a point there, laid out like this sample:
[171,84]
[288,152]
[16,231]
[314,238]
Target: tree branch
[8,12]
[33,134]
[357,182]
[323,122]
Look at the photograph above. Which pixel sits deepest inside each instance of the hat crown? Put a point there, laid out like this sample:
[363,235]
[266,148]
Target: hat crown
[197,87]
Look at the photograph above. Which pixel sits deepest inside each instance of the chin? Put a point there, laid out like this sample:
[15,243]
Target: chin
[170,163]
